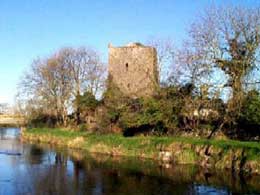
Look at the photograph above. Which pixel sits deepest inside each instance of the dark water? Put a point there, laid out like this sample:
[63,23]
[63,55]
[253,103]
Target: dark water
[39,169]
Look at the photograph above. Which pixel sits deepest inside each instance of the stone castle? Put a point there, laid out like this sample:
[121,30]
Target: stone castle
[133,69]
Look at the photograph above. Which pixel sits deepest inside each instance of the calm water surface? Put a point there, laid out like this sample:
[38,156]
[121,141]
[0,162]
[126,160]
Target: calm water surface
[39,169]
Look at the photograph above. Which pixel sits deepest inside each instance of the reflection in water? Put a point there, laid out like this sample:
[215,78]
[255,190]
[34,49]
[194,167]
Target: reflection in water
[43,170]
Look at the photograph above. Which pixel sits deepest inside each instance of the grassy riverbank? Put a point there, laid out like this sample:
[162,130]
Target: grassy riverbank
[220,153]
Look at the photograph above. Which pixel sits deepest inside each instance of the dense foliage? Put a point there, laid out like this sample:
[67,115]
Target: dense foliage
[86,102]
[249,120]
[250,113]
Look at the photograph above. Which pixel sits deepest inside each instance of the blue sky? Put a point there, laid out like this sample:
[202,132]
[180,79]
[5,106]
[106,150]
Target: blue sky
[32,28]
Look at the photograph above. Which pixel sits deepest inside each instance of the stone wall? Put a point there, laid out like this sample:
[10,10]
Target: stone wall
[133,69]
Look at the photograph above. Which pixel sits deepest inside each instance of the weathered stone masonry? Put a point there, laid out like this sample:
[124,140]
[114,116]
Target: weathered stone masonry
[133,69]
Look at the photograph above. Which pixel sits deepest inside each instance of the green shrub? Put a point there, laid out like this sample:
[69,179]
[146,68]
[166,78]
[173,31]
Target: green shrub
[87,101]
[156,115]
[250,114]
[42,120]
[83,127]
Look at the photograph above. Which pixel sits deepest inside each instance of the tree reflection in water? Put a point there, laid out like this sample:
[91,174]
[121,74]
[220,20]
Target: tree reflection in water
[44,170]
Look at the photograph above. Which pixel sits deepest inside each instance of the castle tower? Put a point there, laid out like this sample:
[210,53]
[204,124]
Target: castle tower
[133,69]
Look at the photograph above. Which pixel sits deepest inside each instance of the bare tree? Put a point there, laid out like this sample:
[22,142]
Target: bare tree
[86,71]
[47,86]
[165,56]
[53,83]
[224,40]
[190,66]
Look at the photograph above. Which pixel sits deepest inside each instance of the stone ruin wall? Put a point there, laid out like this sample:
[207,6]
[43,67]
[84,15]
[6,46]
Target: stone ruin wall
[133,69]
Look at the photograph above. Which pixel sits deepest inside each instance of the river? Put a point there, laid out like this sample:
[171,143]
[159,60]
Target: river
[41,169]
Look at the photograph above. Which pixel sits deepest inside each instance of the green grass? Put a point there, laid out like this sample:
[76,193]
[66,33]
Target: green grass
[141,141]
[147,146]
[55,132]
